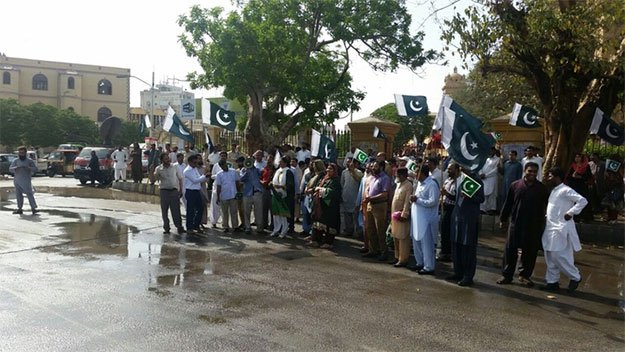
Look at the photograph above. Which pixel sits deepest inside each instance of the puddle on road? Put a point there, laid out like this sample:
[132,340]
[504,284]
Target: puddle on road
[103,240]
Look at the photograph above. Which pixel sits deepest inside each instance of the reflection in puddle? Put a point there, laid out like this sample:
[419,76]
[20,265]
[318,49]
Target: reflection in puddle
[104,239]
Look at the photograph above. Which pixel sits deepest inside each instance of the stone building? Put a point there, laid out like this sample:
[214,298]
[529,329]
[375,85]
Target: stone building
[89,90]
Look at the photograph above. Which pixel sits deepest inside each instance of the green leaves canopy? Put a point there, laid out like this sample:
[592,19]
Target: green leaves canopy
[289,59]
[571,54]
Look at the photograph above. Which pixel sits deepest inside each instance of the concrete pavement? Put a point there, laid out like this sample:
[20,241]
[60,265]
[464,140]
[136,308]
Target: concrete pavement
[99,275]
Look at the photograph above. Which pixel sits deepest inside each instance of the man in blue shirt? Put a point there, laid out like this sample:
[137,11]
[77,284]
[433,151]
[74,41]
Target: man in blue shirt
[252,197]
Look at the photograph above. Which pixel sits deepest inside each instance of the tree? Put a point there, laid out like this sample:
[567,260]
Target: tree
[571,54]
[12,117]
[409,126]
[129,133]
[290,59]
[491,96]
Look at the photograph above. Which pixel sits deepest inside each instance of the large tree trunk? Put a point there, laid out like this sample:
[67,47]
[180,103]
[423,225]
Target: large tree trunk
[255,135]
[564,137]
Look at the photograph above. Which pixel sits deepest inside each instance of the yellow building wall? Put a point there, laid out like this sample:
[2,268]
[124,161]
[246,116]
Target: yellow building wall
[84,98]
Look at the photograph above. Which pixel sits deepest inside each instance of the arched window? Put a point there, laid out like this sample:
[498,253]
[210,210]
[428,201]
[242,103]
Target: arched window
[40,82]
[105,87]
[6,78]
[104,113]
[70,83]
[71,109]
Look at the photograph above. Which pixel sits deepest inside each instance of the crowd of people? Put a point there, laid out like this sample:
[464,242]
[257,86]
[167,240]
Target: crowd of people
[389,207]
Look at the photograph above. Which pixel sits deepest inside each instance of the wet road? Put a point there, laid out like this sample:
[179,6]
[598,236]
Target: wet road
[99,275]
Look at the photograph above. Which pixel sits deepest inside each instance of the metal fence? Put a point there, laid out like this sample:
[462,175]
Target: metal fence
[342,139]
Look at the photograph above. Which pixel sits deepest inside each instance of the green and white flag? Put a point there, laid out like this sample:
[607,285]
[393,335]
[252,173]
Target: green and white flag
[469,186]
[377,133]
[323,147]
[360,156]
[174,126]
[612,165]
[412,166]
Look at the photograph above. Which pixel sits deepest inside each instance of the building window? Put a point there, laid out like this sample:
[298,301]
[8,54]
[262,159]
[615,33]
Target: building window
[70,83]
[105,87]
[70,109]
[6,78]
[104,113]
[40,82]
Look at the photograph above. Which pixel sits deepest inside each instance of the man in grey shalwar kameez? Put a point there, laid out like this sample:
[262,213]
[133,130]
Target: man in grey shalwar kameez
[23,168]
[350,182]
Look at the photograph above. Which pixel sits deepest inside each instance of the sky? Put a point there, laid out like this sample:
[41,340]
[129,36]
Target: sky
[142,35]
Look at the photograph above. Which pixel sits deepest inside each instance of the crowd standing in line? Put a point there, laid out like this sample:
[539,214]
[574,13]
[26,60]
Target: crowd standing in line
[382,203]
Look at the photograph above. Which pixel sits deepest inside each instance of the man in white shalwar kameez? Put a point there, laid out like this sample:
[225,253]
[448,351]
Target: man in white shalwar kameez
[424,222]
[215,211]
[488,174]
[23,168]
[560,237]
[120,158]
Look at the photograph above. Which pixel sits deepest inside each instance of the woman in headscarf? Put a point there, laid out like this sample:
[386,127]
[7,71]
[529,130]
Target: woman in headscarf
[326,211]
[279,207]
[136,168]
[578,178]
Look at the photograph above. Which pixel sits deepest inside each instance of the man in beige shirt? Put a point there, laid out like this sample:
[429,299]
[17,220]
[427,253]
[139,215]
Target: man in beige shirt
[170,179]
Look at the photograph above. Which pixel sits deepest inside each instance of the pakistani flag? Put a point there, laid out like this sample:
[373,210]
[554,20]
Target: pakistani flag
[469,186]
[449,103]
[412,166]
[612,165]
[209,141]
[213,114]
[360,156]
[323,147]
[174,126]
[411,105]
[607,129]
[524,116]
[378,134]
[463,139]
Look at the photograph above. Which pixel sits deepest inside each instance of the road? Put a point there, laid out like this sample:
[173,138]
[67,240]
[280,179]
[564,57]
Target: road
[97,274]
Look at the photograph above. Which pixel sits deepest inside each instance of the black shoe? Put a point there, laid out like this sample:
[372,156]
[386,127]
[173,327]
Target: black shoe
[383,257]
[454,278]
[166,232]
[399,265]
[551,287]
[573,285]
[181,230]
[465,282]
[414,267]
[226,230]
[35,211]
[214,226]
[425,272]
[393,262]
[18,211]
[370,255]
[363,250]
[504,281]
[247,231]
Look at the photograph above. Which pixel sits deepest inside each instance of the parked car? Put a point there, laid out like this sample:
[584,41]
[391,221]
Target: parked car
[81,165]
[5,162]
[61,162]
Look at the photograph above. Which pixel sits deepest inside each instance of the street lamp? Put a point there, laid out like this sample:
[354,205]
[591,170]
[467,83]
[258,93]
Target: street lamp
[151,94]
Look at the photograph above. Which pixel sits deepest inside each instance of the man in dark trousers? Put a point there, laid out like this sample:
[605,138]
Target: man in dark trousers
[465,219]
[290,197]
[525,205]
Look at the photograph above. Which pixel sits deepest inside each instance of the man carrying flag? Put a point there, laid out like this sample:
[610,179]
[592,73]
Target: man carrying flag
[174,126]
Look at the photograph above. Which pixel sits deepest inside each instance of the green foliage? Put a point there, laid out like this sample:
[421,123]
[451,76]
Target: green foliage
[281,54]
[605,151]
[129,133]
[43,125]
[491,96]
[409,126]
